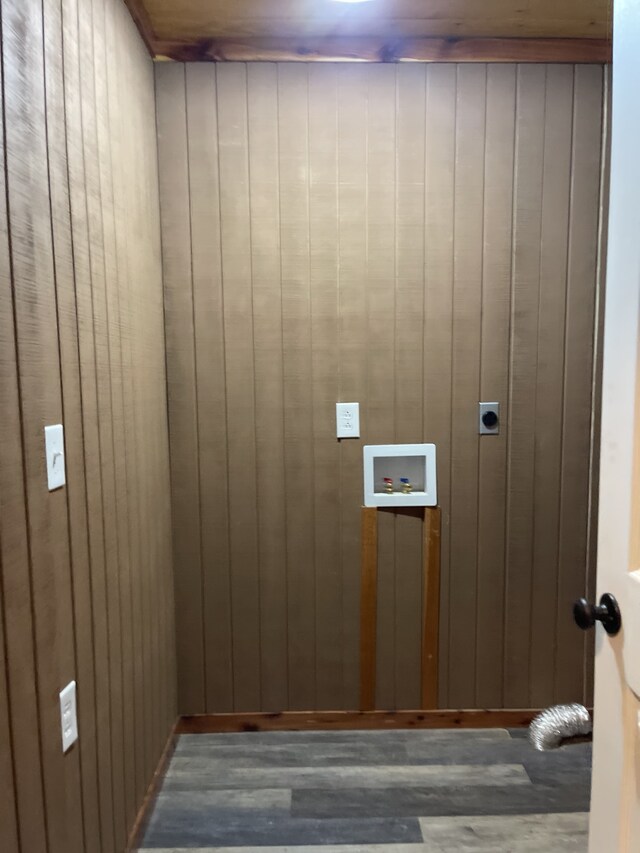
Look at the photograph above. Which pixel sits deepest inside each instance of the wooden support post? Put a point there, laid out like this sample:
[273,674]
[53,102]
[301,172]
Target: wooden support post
[430,607]
[368,608]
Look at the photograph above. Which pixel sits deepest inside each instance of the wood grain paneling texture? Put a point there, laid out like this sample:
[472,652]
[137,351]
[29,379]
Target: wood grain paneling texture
[85,572]
[416,238]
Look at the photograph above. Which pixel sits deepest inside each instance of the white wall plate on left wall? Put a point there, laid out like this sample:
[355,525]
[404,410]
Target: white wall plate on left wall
[54,449]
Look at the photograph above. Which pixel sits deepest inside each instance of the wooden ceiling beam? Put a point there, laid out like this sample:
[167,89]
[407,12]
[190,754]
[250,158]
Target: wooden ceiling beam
[141,19]
[240,19]
[367,49]
[346,49]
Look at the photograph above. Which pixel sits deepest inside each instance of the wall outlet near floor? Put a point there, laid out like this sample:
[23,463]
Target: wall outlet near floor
[68,716]
[348,420]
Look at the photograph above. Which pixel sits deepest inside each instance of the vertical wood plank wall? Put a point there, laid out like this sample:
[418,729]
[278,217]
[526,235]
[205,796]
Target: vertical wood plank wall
[415,238]
[86,588]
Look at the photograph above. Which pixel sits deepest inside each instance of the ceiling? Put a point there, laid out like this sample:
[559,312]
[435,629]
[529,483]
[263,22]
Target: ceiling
[194,20]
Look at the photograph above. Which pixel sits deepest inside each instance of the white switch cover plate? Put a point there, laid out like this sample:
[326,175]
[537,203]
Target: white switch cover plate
[68,716]
[348,420]
[54,447]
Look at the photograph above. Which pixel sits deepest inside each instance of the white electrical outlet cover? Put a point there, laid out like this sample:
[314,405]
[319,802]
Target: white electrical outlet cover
[347,420]
[54,449]
[68,716]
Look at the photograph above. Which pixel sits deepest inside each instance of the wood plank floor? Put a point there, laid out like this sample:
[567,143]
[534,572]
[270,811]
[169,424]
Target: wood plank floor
[367,792]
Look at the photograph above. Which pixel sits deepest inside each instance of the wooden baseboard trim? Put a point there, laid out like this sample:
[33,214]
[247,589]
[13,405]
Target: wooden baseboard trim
[144,813]
[353,49]
[345,720]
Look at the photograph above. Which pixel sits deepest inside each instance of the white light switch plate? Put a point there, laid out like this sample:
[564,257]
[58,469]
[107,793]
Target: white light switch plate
[54,447]
[68,716]
[348,420]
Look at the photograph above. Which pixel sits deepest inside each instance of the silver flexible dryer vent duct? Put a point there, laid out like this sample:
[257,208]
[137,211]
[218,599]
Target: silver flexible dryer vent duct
[555,724]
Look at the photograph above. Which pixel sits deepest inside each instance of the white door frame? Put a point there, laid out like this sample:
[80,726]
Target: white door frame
[615,809]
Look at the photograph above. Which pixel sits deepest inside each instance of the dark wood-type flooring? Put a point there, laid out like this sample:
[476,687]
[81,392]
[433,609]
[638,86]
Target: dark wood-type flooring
[372,792]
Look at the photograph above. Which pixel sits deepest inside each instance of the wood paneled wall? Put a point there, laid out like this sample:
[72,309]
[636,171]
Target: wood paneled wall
[86,587]
[415,238]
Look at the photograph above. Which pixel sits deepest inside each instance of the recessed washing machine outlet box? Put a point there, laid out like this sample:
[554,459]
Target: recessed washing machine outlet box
[415,462]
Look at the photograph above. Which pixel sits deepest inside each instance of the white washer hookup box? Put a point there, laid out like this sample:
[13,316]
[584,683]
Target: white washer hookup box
[414,462]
